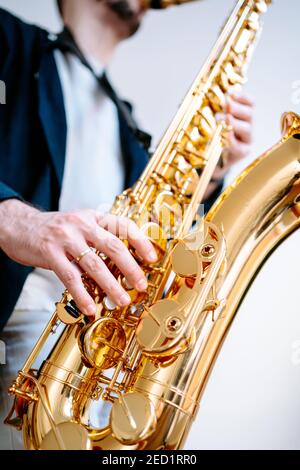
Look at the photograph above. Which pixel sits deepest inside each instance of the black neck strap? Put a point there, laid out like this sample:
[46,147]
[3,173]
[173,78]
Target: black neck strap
[66,42]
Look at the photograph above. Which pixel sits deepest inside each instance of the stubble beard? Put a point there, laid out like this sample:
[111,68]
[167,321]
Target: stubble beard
[126,14]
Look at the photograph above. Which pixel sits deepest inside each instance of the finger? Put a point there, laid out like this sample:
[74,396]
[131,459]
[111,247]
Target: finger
[242,98]
[70,276]
[241,129]
[93,265]
[239,111]
[237,149]
[126,229]
[111,246]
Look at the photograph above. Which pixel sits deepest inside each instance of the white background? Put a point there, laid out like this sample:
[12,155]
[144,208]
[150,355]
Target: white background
[253,397]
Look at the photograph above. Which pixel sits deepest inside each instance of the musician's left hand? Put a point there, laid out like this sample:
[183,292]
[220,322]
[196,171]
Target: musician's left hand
[239,117]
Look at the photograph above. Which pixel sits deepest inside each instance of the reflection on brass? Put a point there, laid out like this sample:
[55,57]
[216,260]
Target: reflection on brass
[102,343]
[133,418]
[150,361]
[74,437]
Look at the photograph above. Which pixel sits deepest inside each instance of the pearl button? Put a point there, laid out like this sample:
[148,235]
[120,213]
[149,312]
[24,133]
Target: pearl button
[109,304]
[52,37]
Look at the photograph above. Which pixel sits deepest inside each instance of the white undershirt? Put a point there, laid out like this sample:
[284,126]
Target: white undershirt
[94,172]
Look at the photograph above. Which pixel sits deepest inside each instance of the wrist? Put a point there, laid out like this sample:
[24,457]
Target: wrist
[12,213]
[217,180]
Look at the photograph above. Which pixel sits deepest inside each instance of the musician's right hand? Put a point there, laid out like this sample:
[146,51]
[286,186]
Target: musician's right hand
[54,240]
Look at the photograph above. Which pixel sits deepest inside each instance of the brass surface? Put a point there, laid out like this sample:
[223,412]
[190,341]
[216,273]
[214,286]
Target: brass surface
[133,418]
[151,360]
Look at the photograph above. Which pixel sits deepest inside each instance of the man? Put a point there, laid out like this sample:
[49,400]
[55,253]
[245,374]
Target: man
[66,147]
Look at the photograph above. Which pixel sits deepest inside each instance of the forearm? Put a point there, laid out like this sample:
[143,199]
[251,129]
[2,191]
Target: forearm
[14,216]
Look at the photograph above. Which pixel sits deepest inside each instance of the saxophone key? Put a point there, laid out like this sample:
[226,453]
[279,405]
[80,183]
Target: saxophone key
[261,6]
[253,21]
[133,418]
[68,312]
[216,98]
[243,41]
[234,78]
[160,330]
[109,304]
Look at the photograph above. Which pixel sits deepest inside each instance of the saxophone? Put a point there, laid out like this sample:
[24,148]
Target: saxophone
[147,364]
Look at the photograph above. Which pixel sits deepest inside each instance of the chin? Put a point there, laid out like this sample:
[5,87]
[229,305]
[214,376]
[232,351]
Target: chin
[129,19]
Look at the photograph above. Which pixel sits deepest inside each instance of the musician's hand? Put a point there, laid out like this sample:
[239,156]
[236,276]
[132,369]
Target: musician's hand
[239,117]
[53,240]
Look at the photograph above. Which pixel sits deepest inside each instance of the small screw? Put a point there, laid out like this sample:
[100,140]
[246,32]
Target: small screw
[174,324]
[208,250]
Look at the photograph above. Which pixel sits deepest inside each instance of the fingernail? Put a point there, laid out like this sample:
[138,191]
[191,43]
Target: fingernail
[125,299]
[91,310]
[220,117]
[228,119]
[152,256]
[142,284]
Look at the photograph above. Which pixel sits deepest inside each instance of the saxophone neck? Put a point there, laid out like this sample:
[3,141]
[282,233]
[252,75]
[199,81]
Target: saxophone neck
[184,161]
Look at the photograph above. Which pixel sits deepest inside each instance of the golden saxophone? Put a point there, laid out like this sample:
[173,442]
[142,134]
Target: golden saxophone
[150,361]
